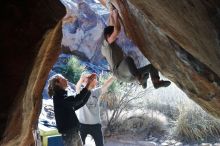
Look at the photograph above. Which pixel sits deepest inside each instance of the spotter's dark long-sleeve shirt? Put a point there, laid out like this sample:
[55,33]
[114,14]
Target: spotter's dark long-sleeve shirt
[65,106]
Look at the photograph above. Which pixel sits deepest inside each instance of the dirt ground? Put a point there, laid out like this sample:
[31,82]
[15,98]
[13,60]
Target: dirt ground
[111,141]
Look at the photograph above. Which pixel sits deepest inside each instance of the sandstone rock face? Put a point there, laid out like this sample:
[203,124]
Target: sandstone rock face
[181,39]
[29,50]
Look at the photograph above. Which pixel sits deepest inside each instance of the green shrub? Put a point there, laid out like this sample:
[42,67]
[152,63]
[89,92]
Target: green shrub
[73,70]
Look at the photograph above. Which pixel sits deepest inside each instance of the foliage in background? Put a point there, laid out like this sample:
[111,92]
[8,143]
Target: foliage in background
[143,123]
[171,111]
[74,70]
[194,124]
[70,68]
[120,102]
[114,86]
[187,121]
[182,119]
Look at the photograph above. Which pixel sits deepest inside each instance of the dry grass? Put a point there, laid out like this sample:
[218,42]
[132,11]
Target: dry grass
[153,124]
[195,125]
[184,119]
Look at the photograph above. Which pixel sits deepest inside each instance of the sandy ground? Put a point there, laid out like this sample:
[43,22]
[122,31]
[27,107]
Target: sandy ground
[111,142]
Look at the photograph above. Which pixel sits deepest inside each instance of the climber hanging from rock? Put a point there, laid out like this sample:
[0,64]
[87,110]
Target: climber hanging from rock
[122,66]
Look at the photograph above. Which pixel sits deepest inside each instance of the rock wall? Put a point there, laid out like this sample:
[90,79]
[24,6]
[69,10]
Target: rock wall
[30,44]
